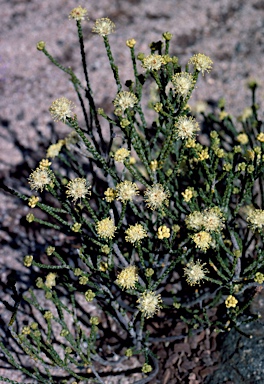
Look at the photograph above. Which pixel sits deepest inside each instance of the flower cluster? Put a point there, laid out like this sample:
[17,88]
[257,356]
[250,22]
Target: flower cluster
[41,178]
[231,301]
[106,228]
[163,232]
[28,260]
[242,138]
[61,108]
[135,233]
[153,62]
[110,195]
[211,220]
[183,83]
[121,154]
[195,272]
[128,277]
[130,43]
[255,219]
[126,191]
[79,14]
[124,100]
[186,127]
[32,202]
[149,303]
[103,26]
[54,149]
[201,62]
[78,189]
[203,240]
[156,196]
[187,194]
[259,278]
[51,280]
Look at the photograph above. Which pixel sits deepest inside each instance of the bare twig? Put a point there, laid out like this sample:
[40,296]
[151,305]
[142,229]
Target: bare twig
[97,375]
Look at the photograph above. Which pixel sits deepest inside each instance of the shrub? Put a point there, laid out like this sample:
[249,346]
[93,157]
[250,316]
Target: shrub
[148,223]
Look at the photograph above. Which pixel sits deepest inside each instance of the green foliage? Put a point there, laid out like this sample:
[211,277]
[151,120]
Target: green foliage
[157,226]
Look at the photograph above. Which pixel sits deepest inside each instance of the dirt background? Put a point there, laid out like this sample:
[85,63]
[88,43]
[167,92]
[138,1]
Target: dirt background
[231,32]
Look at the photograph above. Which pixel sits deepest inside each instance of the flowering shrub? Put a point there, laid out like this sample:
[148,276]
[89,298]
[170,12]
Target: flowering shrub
[161,226]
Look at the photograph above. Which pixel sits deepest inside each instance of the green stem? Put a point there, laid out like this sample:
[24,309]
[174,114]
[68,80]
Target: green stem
[114,67]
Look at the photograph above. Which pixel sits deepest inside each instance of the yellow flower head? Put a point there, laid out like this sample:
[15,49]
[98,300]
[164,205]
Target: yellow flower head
[163,232]
[40,178]
[130,43]
[154,165]
[126,190]
[149,303]
[77,189]
[28,260]
[30,217]
[94,320]
[204,155]
[79,14]
[194,221]
[50,280]
[103,266]
[259,277]
[146,368]
[121,154]
[186,127]
[195,272]
[50,250]
[48,315]
[26,330]
[61,108]
[231,301]
[44,163]
[41,45]
[106,228]
[210,219]
[242,138]
[124,100]
[260,137]
[255,219]
[128,277]
[190,143]
[135,233]
[202,240]
[187,194]
[76,227]
[54,149]
[153,62]
[156,196]
[213,219]
[110,195]
[83,280]
[129,352]
[89,295]
[167,36]
[103,26]
[183,83]
[32,202]
[201,62]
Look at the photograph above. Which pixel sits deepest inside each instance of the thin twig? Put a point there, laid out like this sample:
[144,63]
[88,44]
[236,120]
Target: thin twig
[97,375]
